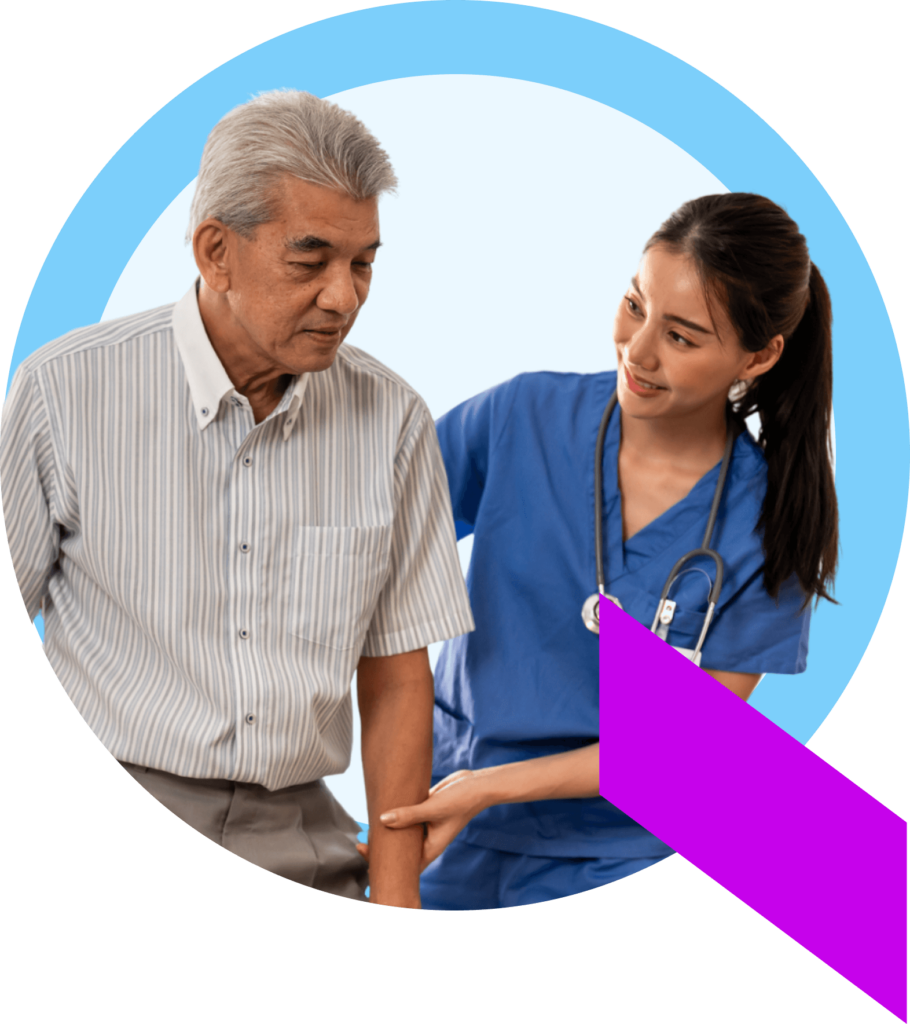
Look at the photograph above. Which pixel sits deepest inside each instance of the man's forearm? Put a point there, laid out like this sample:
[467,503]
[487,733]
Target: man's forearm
[395,695]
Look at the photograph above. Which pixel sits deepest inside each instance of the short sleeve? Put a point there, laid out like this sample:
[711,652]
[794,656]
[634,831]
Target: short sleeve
[466,440]
[26,475]
[424,598]
[753,632]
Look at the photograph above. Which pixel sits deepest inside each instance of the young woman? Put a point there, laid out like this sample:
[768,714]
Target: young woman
[725,317]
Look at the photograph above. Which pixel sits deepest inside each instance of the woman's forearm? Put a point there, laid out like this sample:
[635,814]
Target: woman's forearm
[454,801]
[572,774]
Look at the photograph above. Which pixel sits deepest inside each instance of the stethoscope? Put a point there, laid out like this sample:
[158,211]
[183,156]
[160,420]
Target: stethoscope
[666,608]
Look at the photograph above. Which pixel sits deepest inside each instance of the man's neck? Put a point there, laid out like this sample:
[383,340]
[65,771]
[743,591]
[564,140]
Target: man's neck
[260,381]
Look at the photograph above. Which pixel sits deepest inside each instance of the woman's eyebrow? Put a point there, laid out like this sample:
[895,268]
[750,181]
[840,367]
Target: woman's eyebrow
[672,316]
[686,323]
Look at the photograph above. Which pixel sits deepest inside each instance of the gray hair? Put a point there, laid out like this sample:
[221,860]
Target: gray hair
[279,133]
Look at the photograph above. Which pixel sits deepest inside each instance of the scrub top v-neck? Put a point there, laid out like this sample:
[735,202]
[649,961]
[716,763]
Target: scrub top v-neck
[520,465]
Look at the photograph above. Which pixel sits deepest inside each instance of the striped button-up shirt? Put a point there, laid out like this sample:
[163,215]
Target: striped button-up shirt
[208,583]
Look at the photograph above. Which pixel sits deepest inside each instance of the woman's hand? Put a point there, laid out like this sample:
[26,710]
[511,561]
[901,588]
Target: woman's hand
[453,802]
[449,806]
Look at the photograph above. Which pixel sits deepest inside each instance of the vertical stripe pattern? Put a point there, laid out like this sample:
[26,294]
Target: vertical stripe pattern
[209,583]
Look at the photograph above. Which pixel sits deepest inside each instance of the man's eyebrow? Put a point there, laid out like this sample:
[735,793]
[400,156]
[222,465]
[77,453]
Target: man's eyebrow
[673,317]
[309,243]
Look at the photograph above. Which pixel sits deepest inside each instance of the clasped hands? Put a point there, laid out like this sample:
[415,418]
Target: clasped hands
[449,806]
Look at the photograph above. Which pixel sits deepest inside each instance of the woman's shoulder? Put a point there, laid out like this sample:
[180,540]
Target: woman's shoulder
[538,393]
[748,456]
[543,384]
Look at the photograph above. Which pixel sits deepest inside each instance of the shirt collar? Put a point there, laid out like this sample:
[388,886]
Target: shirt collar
[207,378]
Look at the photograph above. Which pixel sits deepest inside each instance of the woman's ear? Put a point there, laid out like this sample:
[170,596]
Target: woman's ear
[762,361]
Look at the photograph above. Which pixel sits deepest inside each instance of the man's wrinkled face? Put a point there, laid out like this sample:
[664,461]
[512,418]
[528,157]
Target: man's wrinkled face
[297,285]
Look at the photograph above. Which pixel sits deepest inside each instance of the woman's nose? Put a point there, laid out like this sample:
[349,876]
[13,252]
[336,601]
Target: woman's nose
[641,349]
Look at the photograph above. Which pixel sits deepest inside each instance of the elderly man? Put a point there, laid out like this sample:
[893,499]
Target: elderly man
[222,512]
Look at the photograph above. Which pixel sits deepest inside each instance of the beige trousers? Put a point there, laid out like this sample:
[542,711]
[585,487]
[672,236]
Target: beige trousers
[301,832]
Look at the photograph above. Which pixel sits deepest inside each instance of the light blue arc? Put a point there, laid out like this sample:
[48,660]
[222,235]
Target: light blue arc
[511,41]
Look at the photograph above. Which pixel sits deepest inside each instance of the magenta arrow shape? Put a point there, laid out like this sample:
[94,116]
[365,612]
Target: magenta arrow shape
[753,808]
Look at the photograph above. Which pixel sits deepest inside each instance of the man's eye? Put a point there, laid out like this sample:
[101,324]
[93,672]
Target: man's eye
[310,266]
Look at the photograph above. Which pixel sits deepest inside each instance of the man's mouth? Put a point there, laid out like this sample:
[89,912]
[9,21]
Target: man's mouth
[327,333]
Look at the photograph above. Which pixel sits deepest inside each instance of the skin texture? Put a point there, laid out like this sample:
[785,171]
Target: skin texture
[276,305]
[667,334]
[395,697]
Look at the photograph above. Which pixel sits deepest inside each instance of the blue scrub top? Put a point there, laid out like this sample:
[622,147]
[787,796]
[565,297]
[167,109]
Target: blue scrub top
[520,464]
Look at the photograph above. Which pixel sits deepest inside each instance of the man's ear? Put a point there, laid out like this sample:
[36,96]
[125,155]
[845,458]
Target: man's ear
[213,246]
[762,361]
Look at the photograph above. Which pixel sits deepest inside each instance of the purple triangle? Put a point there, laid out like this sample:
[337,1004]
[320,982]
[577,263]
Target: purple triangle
[753,808]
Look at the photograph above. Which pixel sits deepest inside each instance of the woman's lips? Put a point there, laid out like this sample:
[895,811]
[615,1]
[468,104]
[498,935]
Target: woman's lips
[641,389]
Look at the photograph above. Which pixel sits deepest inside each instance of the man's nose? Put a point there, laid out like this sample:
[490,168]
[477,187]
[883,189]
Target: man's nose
[339,291]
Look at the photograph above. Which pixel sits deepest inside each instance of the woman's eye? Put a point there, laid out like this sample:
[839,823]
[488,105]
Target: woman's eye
[680,340]
[633,307]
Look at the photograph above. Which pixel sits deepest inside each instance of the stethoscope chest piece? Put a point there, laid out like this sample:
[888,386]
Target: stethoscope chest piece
[590,610]
[666,609]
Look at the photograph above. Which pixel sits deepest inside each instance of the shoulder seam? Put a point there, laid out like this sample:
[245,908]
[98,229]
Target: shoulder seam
[350,354]
[109,338]
[511,402]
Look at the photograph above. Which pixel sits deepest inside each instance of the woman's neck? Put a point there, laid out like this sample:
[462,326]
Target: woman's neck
[661,460]
[692,443]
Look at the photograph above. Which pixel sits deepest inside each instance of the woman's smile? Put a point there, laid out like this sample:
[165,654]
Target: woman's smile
[641,387]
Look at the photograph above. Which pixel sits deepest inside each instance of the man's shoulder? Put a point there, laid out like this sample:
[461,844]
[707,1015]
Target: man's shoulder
[356,362]
[106,335]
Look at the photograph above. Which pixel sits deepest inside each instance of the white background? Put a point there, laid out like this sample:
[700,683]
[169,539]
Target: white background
[464,295]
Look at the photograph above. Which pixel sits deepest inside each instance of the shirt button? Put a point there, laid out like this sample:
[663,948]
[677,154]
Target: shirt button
[250,719]
[244,634]
[247,460]
[204,411]
[244,547]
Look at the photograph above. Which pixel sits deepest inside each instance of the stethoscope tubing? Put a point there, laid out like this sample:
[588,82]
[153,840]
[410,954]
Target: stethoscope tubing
[705,551]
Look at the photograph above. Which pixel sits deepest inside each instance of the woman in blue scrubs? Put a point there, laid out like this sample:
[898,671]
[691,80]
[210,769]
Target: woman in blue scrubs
[725,317]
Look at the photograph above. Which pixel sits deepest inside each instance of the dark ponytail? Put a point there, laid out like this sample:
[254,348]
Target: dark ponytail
[754,261]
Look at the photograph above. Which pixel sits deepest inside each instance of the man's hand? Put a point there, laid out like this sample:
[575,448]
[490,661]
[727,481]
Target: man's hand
[449,806]
[395,696]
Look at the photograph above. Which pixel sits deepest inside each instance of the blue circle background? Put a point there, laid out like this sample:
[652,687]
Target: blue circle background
[570,53]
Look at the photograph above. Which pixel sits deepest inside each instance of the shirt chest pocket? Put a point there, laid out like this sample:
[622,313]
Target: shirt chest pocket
[337,575]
